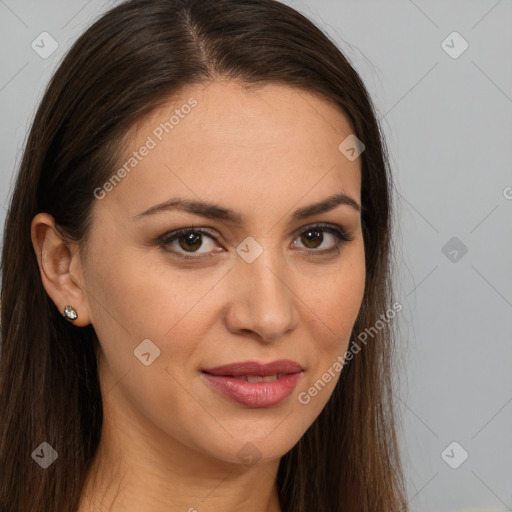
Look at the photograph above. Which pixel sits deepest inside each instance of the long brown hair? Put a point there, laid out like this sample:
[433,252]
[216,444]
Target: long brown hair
[121,69]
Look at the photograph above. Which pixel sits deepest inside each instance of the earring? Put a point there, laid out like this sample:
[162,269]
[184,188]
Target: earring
[70,313]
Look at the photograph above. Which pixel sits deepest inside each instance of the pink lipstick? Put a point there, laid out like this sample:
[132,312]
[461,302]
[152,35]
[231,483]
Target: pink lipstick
[254,384]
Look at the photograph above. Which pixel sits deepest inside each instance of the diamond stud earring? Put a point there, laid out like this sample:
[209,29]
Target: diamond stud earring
[70,313]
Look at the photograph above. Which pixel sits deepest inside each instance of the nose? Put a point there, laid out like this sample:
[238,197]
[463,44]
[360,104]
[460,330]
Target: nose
[263,302]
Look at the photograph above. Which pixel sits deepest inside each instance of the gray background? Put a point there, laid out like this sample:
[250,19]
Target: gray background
[448,125]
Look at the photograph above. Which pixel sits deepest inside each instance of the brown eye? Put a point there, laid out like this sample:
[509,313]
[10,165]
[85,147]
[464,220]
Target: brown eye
[190,241]
[312,238]
[185,242]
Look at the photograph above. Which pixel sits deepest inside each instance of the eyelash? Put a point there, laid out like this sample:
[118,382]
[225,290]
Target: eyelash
[341,235]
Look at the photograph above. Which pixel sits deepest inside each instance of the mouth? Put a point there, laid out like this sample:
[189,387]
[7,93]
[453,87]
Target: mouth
[256,378]
[254,384]
[255,369]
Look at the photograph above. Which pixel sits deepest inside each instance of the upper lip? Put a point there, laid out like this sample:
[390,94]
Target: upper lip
[283,366]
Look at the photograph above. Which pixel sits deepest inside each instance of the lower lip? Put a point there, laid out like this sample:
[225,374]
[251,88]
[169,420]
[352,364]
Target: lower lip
[254,394]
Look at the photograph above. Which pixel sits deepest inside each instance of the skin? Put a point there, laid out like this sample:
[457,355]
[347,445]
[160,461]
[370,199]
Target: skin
[170,442]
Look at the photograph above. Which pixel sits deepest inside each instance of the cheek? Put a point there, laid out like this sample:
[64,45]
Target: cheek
[335,317]
[335,308]
[336,303]
[172,309]
[140,299]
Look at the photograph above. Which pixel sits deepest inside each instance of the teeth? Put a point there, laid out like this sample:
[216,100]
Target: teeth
[259,378]
[254,378]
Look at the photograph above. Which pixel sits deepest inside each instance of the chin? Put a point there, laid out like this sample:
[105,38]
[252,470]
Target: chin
[253,449]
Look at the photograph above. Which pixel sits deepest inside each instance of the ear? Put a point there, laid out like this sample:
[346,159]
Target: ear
[60,267]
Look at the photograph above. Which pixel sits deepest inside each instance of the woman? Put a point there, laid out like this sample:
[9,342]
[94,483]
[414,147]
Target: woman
[199,231]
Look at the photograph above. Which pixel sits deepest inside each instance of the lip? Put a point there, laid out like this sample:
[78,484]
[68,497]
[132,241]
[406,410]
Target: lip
[228,380]
[255,368]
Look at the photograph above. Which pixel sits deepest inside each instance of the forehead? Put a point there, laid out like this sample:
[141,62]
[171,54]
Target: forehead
[253,115]
[239,145]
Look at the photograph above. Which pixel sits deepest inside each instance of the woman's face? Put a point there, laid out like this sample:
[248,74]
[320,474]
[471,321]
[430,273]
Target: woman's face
[255,280]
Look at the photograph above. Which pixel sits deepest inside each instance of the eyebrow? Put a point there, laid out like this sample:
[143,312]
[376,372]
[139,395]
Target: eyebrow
[213,211]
